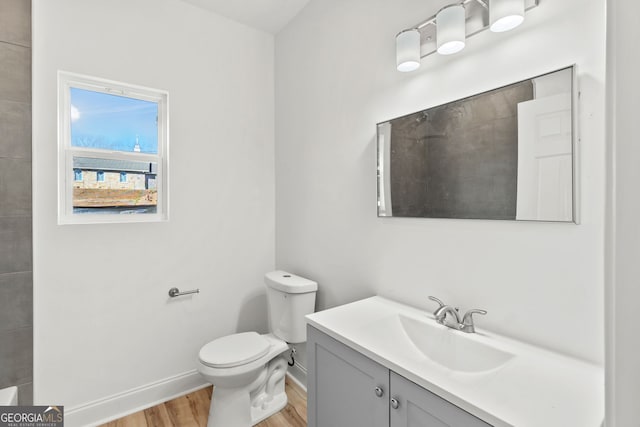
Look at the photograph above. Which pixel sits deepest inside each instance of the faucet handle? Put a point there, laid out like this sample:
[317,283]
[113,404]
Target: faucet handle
[468,316]
[432,298]
[438,311]
[467,321]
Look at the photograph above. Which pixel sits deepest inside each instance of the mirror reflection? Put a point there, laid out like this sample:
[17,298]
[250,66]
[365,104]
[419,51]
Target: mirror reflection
[503,154]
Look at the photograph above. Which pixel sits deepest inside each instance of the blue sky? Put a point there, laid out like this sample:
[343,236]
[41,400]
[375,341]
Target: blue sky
[111,122]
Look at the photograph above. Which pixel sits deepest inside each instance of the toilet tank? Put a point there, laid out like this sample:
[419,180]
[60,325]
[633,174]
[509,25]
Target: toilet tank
[289,298]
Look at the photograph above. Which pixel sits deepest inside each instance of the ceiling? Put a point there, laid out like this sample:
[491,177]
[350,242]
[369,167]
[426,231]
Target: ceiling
[267,15]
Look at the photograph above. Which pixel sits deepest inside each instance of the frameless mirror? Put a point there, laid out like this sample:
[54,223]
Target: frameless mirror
[503,154]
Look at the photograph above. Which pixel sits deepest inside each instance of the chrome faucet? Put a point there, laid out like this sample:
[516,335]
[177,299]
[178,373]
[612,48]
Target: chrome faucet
[464,325]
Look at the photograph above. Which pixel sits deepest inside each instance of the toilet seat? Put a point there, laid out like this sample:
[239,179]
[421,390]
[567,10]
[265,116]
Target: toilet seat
[234,350]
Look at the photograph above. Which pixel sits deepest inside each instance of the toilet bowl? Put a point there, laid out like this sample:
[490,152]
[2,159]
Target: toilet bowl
[248,369]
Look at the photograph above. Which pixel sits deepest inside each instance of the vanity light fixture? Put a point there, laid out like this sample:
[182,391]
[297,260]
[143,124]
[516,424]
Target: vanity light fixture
[447,31]
[505,15]
[450,29]
[408,50]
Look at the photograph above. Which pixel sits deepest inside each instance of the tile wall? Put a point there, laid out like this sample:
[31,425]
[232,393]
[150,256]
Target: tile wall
[16,278]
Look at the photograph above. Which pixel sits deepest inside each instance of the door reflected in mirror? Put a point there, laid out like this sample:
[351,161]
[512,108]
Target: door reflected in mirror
[505,154]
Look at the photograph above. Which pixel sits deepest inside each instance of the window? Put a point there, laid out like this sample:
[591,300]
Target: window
[113,142]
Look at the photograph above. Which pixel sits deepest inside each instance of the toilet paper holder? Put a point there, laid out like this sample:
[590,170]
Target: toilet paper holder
[175,292]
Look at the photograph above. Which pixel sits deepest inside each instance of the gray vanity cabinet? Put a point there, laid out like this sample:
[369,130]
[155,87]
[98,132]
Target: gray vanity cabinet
[413,406]
[344,388]
[347,389]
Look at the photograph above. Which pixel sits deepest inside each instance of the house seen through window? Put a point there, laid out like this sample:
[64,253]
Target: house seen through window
[114,147]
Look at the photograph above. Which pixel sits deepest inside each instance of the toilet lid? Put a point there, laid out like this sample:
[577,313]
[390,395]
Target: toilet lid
[234,350]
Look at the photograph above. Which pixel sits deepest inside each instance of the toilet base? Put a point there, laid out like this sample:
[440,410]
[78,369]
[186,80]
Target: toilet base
[247,405]
[277,403]
[228,408]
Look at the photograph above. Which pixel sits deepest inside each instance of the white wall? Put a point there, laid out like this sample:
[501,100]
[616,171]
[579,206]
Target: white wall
[336,78]
[623,233]
[103,322]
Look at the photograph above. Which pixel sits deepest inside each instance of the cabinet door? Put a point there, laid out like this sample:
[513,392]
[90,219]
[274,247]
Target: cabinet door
[418,407]
[341,385]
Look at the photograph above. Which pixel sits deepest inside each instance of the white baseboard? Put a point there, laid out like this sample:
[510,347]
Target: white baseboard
[137,399]
[294,376]
[122,404]
[297,381]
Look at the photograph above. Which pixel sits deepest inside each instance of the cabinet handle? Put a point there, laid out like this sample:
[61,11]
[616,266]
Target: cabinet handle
[394,403]
[379,391]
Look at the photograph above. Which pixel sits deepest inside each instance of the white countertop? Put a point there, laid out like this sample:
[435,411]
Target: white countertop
[536,388]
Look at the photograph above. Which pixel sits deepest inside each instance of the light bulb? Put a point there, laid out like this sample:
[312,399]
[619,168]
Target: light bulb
[450,30]
[505,15]
[408,50]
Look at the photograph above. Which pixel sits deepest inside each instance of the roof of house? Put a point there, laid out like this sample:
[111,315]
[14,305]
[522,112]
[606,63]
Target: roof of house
[89,163]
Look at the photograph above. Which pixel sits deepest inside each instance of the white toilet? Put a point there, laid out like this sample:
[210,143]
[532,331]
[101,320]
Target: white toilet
[248,369]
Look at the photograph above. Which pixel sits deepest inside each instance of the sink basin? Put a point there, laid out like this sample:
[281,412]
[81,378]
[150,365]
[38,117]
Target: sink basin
[452,349]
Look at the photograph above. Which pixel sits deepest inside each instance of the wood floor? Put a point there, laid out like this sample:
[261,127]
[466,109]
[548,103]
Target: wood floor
[192,410]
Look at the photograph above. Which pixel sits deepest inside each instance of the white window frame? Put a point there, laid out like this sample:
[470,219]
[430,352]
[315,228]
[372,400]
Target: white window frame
[66,151]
